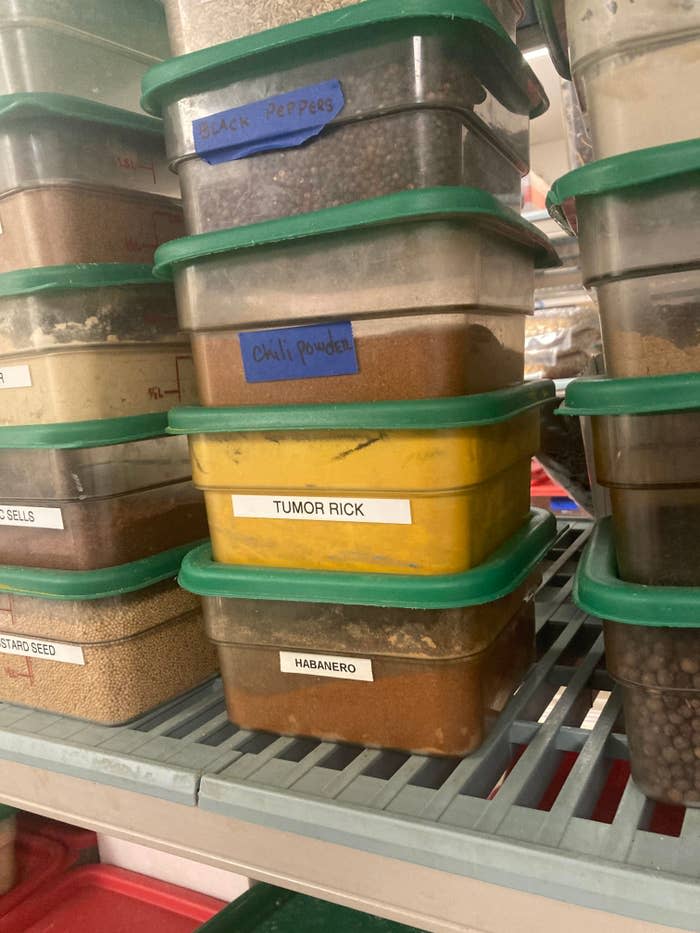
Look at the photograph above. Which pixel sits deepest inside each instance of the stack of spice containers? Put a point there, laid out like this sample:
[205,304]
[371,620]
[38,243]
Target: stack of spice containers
[96,502]
[355,283]
[635,210]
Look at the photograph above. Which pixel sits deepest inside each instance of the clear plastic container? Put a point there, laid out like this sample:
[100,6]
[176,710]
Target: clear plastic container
[651,324]
[38,146]
[635,214]
[652,646]
[389,61]
[417,664]
[105,647]
[94,494]
[8,865]
[97,50]
[637,70]
[80,343]
[194,25]
[646,435]
[423,487]
[429,290]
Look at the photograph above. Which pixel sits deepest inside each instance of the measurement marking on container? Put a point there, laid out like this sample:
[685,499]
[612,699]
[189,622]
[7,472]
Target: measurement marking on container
[324,509]
[27,673]
[326,665]
[21,516]
[25,647]
[15,377]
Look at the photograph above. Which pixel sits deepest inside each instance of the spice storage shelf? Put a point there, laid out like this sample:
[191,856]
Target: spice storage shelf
[542,824]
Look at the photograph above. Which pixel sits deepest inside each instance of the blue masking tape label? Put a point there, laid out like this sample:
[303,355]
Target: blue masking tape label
[308,352]
[279,122]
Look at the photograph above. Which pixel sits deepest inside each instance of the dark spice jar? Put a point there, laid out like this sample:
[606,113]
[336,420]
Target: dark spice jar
[95,494]
[398,101]
[652,644]
[421,665]
[420,294]
[646,436]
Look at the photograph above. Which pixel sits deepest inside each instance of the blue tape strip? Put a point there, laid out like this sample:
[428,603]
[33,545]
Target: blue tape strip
[308,352]
[280,122]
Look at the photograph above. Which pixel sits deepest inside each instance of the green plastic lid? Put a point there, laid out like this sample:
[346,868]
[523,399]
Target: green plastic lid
[266,909]
[502,573]
[79,434]
[403,207]
[434,414]
[556,42]
[93,584]
[65,278]
[487,48]
[599,591]
[38,106]
[647,395]
[630,170]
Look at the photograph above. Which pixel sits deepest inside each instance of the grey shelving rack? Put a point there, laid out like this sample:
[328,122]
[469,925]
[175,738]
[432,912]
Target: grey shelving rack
[443,844]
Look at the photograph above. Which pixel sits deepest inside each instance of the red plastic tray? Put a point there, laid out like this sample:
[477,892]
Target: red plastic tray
[111,900]
[81,843]
[39,860]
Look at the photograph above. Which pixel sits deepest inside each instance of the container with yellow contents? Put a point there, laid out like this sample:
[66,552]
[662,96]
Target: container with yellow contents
[422,487]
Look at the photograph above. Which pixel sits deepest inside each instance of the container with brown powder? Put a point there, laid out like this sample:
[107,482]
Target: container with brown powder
[97,50]
[646,435]
[194,25]
[329,111]
[105,646]
[420,294]
[652,647]
[420,665]
[107,198]
[95,494]
[86,342]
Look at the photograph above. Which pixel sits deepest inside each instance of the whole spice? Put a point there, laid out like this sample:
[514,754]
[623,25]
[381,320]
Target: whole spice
[404,357]
[101,532]
[430,706]
[96,225]
[660,671]
[119,680]
[352,162]
[195,25]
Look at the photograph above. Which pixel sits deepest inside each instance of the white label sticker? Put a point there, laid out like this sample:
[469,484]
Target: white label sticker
[326,665]
[41,650]
[324,509]
[24,516]
[15,377]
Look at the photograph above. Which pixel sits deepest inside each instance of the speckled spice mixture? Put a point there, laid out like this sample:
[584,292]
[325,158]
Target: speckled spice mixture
[120,680]
[660,670]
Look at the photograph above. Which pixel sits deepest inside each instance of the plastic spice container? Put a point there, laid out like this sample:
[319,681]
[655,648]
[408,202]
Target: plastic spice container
[105,646]
[193,25]
[651,324]
[374,129]
[112,900]
[652,644]
[266,909]
[646,435]
[635,214]
[8,867]
[415,295]
[88,342]
[637,71]
[97,50]
[422,487]
[414,663]
[95,493]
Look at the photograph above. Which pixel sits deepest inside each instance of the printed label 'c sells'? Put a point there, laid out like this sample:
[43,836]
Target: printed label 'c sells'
[24,516]
[324,509]
[326,665]
[25,647]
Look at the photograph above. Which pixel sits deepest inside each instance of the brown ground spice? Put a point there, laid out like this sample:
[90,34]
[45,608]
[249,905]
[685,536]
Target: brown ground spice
[629,353]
